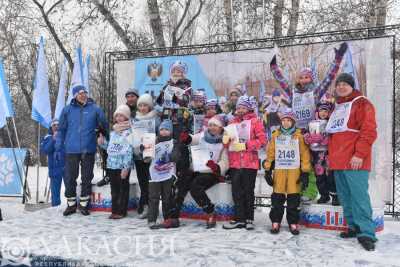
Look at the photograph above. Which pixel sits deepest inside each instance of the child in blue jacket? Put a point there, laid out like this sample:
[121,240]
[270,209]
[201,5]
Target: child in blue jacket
[56,166]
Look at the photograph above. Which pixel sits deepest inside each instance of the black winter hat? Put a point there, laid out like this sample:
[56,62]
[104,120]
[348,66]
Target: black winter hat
[345,77]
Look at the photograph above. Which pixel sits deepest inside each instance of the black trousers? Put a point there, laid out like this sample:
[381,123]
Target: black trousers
[243,184]
[71,173]
[157,189]
[325,182]
[143,175]
[292,208]
[202,182]
[180,189]
[119,192]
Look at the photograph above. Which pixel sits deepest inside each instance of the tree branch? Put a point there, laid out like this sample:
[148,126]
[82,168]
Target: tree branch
[54,33]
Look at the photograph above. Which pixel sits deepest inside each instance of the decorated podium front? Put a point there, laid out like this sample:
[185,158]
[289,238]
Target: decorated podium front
[220,194]
[330,217]
[101,198]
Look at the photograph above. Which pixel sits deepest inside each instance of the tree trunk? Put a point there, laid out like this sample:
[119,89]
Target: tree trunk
[156,23]
[115,25]
[278,11]
[381,12]
[228,19]
[294,18]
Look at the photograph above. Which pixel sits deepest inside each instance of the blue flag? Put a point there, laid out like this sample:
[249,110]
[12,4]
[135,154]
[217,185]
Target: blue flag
[41,109]
[61,90]
[5,92]
[86,73]
[348,67]
[77,73]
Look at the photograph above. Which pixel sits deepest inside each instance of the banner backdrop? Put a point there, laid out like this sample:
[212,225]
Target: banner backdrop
[10,181]
[249,71]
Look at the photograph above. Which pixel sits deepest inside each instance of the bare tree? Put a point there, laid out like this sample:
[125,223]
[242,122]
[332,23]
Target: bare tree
[294,18]
[228,19]
[50,27]
[155,23]
[278,13]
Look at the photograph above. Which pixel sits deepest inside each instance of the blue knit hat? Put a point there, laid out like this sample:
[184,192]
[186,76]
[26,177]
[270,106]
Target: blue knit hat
[276,92]
[245,101]
[166,124]
[77,89]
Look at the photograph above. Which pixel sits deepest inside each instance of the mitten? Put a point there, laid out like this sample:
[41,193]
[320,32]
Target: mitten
[268,177]
[226,139]
[273,61]
[304,180]
[214,167]
[185,138]
[342,50]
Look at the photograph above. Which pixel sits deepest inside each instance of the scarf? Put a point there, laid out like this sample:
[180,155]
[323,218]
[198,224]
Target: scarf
[163,138]
[150,115]
[122,126]
[212,139]
[289,131]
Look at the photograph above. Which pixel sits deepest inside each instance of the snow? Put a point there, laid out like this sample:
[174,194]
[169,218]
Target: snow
[95,239]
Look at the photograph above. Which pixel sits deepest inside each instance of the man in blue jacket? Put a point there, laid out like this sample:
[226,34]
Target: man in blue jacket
[77,134]
[56,167]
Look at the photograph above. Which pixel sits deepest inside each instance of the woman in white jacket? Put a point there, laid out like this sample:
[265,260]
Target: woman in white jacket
[210,163]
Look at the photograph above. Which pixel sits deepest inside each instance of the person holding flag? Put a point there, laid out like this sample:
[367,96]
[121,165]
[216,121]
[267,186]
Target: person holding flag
[77,135]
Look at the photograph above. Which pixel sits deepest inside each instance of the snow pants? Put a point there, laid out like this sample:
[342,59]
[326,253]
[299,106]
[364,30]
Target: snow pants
[352,190]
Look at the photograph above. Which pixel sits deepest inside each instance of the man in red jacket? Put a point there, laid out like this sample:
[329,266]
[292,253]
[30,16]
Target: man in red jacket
[352,127]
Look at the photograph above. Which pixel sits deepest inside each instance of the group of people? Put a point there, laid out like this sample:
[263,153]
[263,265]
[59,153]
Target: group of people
[183,142]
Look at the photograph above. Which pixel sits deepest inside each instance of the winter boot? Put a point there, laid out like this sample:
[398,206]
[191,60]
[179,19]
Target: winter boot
[71,207]
[170,223]
[143,215]
[103,182]
[275,228]
[211,221]
[236,225]
[323,199]
[116,216]
[249,225]
[367,243]
[153,225]
[84,206]
[294,229]
[335,200]
[305,200]
[351,233]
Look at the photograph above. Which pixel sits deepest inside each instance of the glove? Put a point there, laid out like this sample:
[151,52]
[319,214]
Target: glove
[273,61]
[214,167]
[141,148]
[268,177]
[238,147]
[342,49]
[304,180]
[226,139]
[185,138]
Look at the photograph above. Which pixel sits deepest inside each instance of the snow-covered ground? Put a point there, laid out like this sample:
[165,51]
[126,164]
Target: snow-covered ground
[128,242]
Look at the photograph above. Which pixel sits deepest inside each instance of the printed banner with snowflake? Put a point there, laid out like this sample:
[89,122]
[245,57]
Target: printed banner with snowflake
[10,177]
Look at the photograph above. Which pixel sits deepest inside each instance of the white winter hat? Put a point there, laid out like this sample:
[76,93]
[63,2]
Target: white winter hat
[145,99]
[216,120]
[123,110]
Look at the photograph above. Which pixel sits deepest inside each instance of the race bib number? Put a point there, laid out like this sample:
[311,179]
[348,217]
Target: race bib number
[287,154]
[198,123]
[162,168]
[339,118]
[244,131]
[204,152]
[304,108]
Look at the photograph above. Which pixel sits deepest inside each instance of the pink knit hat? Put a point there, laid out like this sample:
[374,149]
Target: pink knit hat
[123,110]
[216,120]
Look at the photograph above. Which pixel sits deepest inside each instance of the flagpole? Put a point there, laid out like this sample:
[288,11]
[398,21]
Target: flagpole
[25,184]
[38,166]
